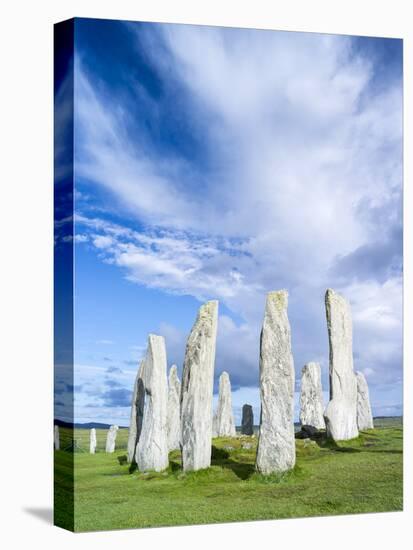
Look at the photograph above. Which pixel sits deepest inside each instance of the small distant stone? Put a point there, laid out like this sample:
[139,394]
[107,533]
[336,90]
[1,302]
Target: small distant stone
[228,448]
[246,445]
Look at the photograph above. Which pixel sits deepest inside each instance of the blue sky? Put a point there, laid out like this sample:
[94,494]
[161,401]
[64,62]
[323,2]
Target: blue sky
[219,163]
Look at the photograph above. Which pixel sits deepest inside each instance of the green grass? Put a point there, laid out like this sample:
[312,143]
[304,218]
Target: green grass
[361,475]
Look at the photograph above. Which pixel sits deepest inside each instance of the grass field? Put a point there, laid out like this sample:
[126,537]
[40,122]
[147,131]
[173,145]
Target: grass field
[361,475]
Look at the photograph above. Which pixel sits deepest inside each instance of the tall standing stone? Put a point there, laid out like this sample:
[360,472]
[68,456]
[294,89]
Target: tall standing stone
[152,447]
[311,397]
[56,438]
[197,389]
[224,424]
[364,415]
[111,439]
[276,444]
[174,416]
[136,415]
[92,441]
[247,423]
[341,412]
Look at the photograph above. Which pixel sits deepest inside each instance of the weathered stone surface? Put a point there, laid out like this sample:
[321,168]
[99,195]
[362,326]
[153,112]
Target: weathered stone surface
[364,414]
[341,412]
[197,389]
[224,425]
[56,438]
[174,406]
[276,443]
[136,415]
[111,439]
[92,441]
[247,423]
[152,447]
[311,397]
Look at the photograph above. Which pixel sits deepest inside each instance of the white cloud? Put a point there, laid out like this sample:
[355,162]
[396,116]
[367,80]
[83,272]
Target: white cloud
[304,167]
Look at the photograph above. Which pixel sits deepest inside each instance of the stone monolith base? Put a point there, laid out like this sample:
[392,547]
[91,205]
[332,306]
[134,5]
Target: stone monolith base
[111,439]
[224,425]
[247,422]
[92,441]
[276,444]
[152,447]
[364,414]
[174,417]
[136,416]
[197,389]
[311,397]
[341,413]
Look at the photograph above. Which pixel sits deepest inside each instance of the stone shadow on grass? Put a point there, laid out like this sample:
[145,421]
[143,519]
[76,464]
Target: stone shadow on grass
[325,442]
[221,457]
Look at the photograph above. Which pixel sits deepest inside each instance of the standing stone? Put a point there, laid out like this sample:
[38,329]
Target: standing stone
[56,438]
[224,425]
[152,447]
[341,412]
[92,444]
[311,398]
[136,415]
[174,417]
[276,444]
[364,415]
[111,439]
[247,423]
[197,389]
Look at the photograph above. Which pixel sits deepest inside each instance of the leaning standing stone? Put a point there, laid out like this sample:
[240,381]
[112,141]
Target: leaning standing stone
[197,389]
[136,416]
[152,447]
[311,397]
[364,415]
[341,412]
[174,417]
[247,423]
[276,444]
[224,425]
[56,438]
[111,439]
[92,442]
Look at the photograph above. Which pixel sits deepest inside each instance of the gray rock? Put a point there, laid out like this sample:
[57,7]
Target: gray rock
[246,445]
[224,425]
[111,439]
[152,447]
[364,415]
[197,389]
[56,438]
[308,430]
[174,416]
[341,412]
[311,397]
[92,441]
[276,443]
[136,416]
[247,423]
